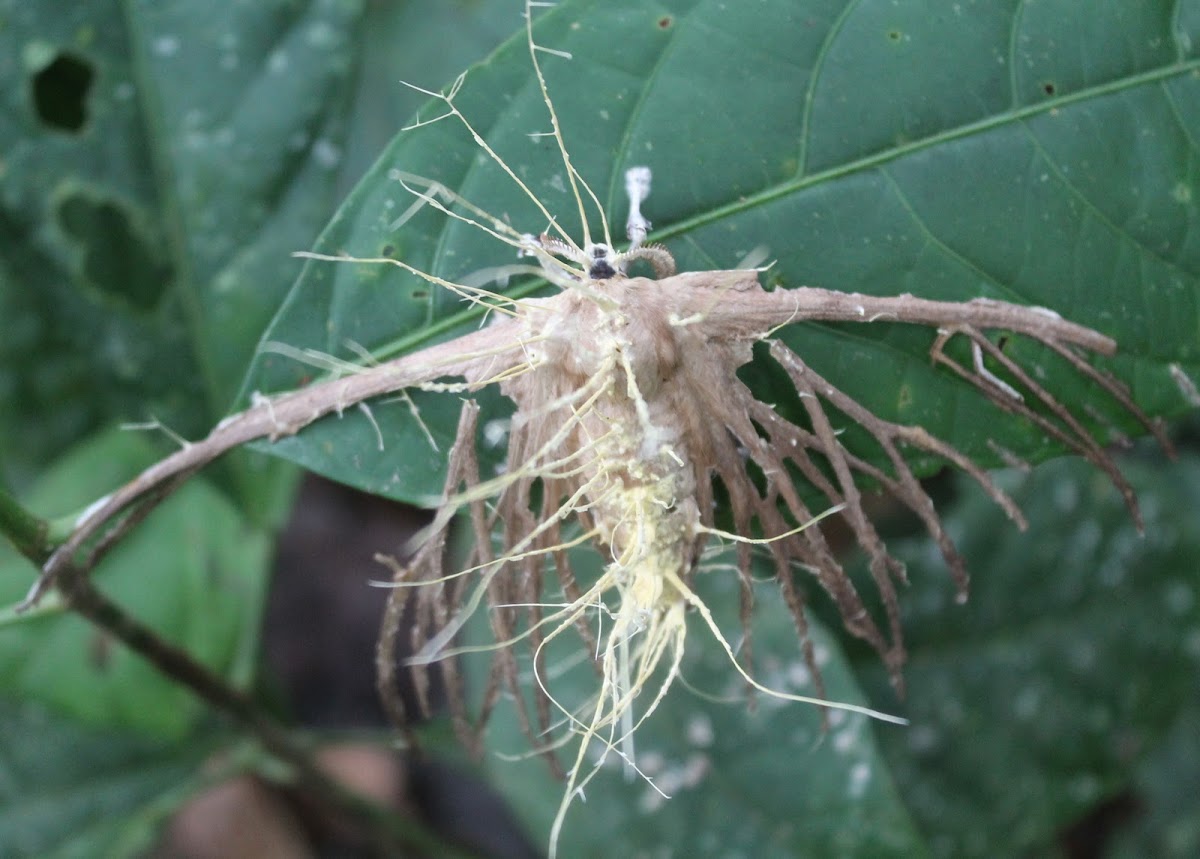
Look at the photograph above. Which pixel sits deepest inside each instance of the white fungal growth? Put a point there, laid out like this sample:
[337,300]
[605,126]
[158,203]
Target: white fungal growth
[1186,386]
[637,189]
[91,510]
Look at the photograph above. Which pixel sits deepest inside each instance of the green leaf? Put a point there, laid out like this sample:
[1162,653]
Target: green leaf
[195,571]
[1076,653]
[69,791]
[425,43]
[761,779]
[158,163]
[1010,152]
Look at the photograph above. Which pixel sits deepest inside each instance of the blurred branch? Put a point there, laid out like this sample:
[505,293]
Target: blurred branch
[28,533]
[388,832]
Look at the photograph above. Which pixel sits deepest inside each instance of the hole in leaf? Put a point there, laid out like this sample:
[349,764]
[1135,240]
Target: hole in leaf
[115,259]
[1048,88]
[895,35]
[60,93]
[665,22]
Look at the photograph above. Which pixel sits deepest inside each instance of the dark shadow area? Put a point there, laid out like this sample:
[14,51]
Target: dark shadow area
[319,635]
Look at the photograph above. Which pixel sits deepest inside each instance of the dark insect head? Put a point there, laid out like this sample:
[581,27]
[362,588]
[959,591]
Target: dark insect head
[601,266]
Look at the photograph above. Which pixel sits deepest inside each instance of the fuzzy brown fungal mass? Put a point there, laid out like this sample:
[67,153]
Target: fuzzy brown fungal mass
[630,422]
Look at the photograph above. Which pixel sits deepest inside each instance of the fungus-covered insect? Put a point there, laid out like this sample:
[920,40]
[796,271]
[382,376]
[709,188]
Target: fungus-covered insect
[634,433]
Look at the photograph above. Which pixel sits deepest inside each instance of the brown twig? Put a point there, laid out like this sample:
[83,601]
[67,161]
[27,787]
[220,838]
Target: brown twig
[286,415]
[388,832]
[385,830]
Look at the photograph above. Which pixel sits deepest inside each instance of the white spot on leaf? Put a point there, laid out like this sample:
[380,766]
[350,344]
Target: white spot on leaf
[165,46]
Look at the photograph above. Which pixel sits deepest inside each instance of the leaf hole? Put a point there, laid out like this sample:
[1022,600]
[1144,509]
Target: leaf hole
[665,22]
[60,93]
[115,259]
[895,35]
[1049,88]
[387,250]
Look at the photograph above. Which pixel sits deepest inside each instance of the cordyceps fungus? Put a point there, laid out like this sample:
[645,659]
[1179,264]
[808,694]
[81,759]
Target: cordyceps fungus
[629,414]
[634,433]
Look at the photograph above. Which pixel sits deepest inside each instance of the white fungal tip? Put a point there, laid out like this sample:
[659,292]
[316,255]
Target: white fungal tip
[637,187]
[637,183]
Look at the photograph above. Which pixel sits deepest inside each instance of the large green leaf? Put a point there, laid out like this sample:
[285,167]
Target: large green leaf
[158,163]
[195,572]
[1077,652]
[760,779]
[1007,151]
[70,791]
